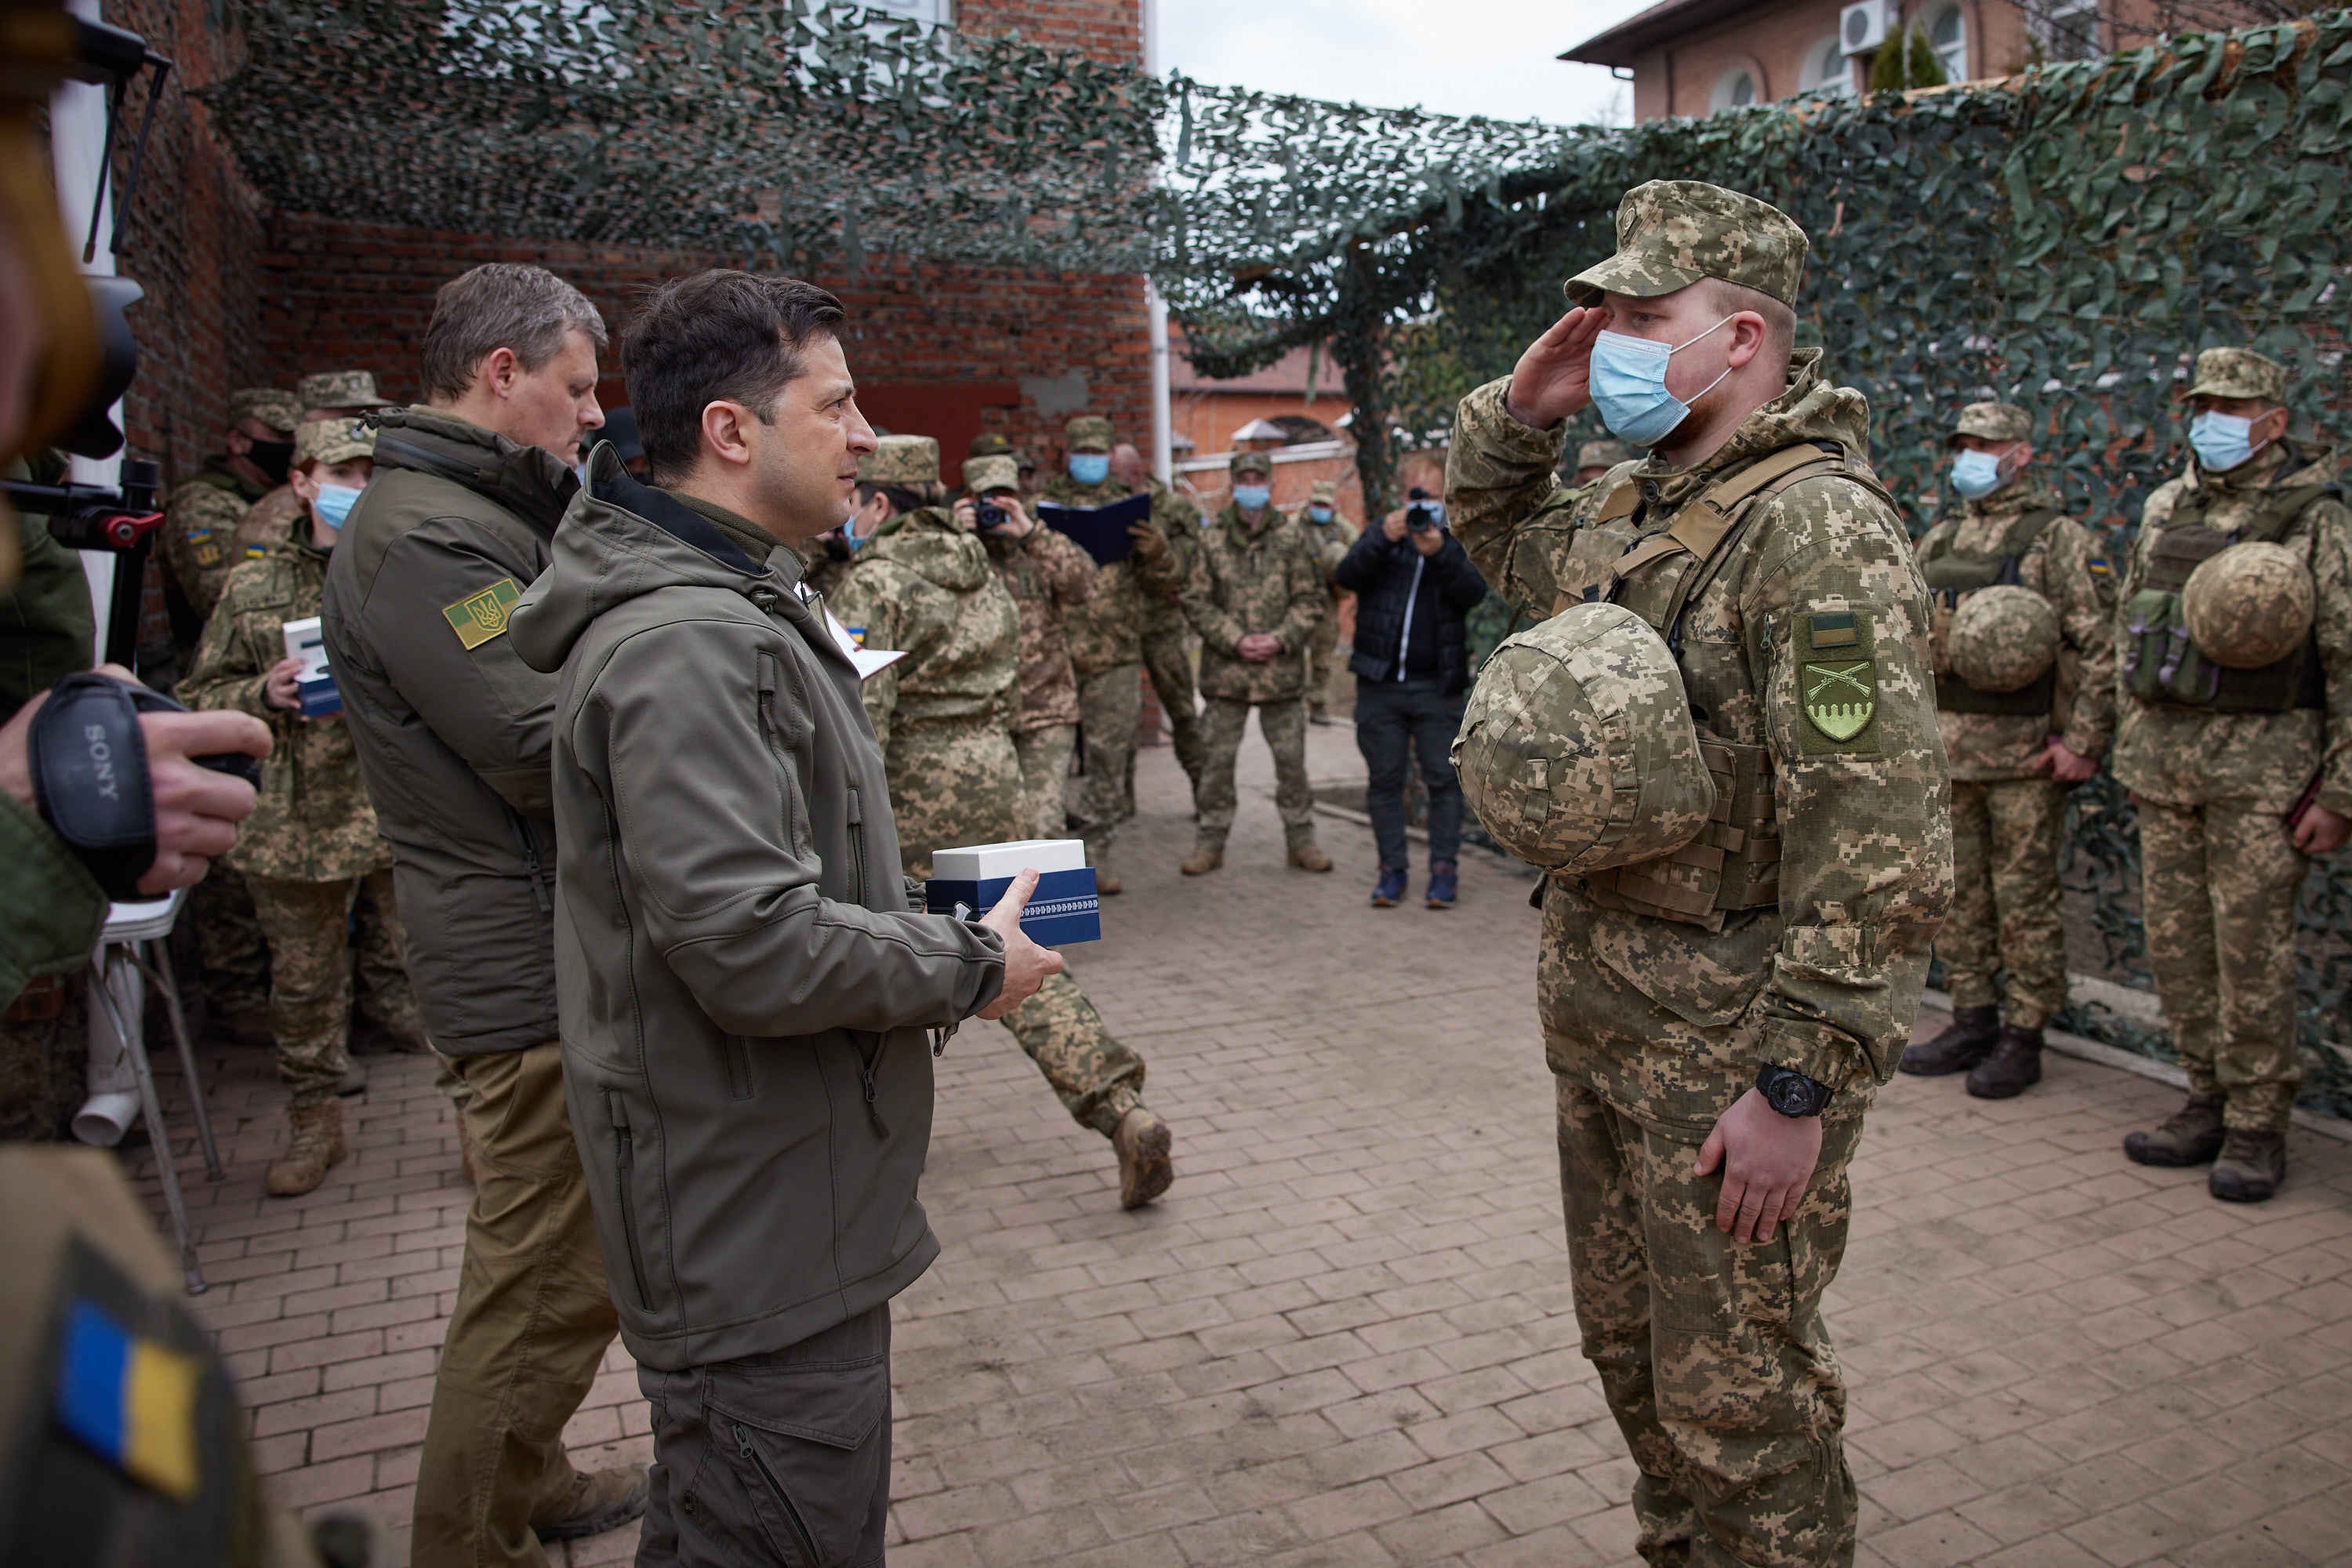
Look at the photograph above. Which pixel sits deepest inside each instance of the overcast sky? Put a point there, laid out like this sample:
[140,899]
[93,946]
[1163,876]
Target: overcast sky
[1456,57]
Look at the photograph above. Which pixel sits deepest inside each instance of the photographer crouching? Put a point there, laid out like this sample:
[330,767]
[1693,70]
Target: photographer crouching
[1414,585]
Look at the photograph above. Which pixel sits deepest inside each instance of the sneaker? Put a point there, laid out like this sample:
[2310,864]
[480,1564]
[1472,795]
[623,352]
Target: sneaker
[1388,889]
[2251,1166]
[1442,891]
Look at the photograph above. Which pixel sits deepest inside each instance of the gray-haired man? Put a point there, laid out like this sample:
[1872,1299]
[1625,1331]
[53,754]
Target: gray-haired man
[454,737]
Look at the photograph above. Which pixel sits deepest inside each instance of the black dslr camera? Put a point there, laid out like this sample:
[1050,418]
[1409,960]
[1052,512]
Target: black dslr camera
[1420,517]
[991,516]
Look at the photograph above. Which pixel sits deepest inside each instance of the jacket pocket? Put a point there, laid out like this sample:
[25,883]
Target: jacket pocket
[625,1173]
[1708,986]
[780,730]
[808,1443]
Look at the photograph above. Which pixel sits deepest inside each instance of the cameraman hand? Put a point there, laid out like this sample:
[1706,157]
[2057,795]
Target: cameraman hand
[196,809]
[1429,540]
[279,690]
[1392,526]
[1026,964]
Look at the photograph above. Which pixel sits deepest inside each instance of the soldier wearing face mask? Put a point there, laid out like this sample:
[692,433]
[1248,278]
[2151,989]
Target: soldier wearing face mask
[2023,653]
[2235,739]
[199,535]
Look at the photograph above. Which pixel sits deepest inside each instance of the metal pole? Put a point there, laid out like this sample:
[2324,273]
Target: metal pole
[1162,436]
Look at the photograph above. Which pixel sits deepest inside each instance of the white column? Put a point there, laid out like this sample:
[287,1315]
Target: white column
[77,142]
[1163,446]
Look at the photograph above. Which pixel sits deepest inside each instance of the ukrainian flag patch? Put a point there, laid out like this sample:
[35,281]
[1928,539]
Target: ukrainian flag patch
[129,1400]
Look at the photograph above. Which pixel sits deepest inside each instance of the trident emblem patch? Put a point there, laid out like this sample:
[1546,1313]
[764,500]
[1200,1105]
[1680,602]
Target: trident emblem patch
[1840,698]
[481,617]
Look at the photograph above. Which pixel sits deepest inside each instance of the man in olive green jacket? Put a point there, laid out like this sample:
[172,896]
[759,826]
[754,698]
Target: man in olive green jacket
[746,993]
[452,731]
[1254,592]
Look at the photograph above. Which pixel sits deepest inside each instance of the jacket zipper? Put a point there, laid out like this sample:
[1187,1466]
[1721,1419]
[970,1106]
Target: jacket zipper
[866,1067]
[793,1515]
[530,849]
[856,849]
[624,1163]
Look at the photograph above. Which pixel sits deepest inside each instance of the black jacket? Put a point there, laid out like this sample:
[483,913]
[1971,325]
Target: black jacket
[1386,576]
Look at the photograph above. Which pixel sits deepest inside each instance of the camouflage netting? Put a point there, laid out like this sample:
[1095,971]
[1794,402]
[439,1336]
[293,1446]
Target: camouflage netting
[2065,239]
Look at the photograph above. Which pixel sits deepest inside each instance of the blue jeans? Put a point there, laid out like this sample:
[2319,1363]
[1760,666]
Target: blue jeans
[1397,721]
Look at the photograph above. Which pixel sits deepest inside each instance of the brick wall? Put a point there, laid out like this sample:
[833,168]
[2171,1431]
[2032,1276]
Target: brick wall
[1105,29]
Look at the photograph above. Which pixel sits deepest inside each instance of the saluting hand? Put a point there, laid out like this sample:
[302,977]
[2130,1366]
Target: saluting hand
[1553,378]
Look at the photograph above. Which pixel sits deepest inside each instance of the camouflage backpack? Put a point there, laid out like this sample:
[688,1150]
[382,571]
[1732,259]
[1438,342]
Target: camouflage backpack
[1576,749]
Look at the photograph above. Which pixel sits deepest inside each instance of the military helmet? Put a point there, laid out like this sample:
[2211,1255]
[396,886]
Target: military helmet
[1576,749]
[901,460]
[2249,605]
[2002,638]
[331,441]
[981,474]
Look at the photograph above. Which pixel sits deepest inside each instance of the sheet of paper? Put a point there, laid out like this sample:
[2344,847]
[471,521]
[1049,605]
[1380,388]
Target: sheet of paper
[870,661]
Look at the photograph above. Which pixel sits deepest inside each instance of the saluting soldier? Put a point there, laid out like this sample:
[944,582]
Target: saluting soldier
[1735,943]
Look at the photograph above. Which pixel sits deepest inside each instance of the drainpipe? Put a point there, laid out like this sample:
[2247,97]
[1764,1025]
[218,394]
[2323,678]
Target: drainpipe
[1156,307]
[77,137]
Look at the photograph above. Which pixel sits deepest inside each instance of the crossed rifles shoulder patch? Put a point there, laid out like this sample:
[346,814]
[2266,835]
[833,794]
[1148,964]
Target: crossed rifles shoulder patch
[478,617]
[1837,681]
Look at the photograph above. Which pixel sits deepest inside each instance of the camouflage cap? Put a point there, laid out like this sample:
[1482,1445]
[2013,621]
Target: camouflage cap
[2249,605]
[1991,422]
[1601,455]
[1576,749]
[988,444]
[279,410]
[1087,433]
[339,389]
[1671,233]
[981,474]
[332,441]
[1251,463]
[1324,490]
[2238,373]
[2003,638]
[901,460]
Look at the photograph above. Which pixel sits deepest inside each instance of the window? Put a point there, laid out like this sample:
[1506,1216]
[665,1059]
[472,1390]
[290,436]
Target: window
[1735,89]
[1827,70]
[934,12]
[2069,29]
[1949,35]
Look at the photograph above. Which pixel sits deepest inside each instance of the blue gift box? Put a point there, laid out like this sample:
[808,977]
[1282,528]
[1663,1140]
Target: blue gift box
[319,696]
[1065,909]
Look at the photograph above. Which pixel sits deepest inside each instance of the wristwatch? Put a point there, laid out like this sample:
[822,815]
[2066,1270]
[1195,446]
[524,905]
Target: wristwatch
[1789,1093]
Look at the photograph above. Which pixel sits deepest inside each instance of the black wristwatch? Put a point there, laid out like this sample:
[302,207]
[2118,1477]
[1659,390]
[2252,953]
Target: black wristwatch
[1789,1093]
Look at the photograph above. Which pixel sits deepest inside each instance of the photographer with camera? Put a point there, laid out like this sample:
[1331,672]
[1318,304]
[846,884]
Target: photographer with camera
[1414,585]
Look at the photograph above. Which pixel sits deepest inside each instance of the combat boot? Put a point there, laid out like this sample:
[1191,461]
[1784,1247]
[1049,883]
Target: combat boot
[1143,1143]
[600,1500]
[1969,1040]
[2251,1166]
[314,1143]
[2015,1067]
[1309,856]
[1206,858]
[2189,1136]
[1106,885]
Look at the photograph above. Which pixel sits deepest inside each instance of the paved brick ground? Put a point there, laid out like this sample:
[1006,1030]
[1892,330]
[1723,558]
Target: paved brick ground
[1346,1337]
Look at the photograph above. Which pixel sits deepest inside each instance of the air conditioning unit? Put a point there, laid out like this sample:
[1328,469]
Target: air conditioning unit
[1863,26]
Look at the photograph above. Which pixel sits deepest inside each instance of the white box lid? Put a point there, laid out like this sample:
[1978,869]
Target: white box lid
[986,862]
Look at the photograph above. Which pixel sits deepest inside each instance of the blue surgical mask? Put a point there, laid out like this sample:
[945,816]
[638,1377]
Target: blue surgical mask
[1319,513]
[1976,474]
[1629,386]
[1090,468]
[334,504]
[1251,498]
[2222,441]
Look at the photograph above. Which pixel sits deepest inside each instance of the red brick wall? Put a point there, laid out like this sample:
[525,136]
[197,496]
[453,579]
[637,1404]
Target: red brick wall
[1105,29]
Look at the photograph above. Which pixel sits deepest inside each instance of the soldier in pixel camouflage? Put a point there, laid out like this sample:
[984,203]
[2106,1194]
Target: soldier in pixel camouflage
[922,584]
[1327,536]
[1720,1017]
[2015,752]
[328,394]
[1048,576]
[1594,458]
[1169,646]
[312,845]
[2235,740]
[1253,593]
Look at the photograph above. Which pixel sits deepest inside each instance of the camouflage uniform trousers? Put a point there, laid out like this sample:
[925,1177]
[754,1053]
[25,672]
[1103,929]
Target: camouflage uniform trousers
[308,928]
[1711,1352]
[1322,658]
[387,1003]
[44,1059]
[2217,887]
[1096,1078]
[946,779]
[230,950]
[1283,724]
[2004,914]
[1045,752]
[1110,703]
[1168,652]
